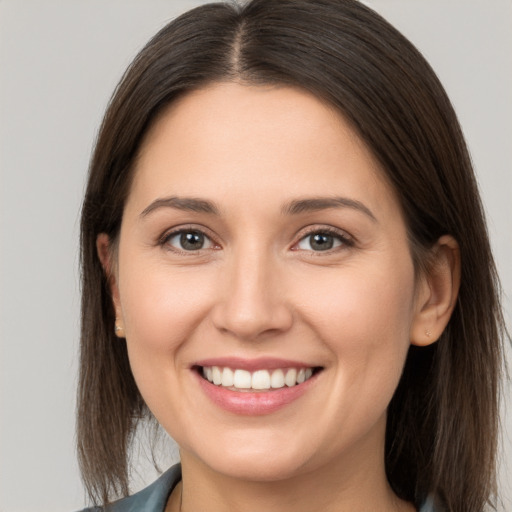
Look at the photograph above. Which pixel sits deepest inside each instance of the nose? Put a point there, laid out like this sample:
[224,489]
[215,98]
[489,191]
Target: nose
[253,302]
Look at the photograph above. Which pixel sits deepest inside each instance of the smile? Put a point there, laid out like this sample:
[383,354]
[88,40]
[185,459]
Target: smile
[259,380]
[253,387]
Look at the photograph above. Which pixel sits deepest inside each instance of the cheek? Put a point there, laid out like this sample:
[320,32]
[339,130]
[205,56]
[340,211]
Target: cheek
[364,319]
[161,308]
[374,301]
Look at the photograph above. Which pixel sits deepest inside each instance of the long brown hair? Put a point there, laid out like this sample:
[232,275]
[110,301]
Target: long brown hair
[443,418]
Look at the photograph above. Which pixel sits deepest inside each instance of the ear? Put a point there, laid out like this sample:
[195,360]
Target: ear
[437,293]
[106,257]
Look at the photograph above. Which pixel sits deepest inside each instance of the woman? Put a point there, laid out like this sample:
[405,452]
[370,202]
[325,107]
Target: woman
[286,264]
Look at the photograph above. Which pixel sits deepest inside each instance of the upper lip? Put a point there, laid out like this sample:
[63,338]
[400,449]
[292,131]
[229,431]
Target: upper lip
[260,363]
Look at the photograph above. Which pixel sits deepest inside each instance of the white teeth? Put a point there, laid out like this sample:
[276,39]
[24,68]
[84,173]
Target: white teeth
[242,379]
[277,379]
[261,380]
[217,375]
[291,377]
[258,380]
[227,377]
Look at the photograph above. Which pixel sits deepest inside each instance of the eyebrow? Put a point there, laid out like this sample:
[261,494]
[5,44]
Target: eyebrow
[296,207]
[323,203]
[188,204]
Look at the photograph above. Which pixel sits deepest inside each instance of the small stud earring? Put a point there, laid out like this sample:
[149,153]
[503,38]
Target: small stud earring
[428,334]
[118,330]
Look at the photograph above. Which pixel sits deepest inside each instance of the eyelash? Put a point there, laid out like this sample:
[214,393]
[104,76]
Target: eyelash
[346,240]
[166,237]
[343,238]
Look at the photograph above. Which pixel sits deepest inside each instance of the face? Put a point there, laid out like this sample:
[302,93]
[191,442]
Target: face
[262,249]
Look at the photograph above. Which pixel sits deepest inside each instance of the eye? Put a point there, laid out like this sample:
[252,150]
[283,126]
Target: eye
[319,241]
[188,240]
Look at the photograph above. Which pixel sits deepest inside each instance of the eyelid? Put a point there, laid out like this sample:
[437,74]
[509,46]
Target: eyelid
[346,239]
[170,233]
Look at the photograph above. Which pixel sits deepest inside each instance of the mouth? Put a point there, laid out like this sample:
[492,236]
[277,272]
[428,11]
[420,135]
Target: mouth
[260,380]
[254,387]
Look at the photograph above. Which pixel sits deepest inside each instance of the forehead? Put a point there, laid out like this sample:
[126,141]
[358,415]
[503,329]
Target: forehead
[266,116]
[255,140]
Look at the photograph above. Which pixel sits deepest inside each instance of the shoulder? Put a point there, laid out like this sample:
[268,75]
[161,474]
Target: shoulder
[151,499]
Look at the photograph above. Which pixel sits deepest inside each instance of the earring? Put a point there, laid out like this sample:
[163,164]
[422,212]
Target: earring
[118,330]
[428,333]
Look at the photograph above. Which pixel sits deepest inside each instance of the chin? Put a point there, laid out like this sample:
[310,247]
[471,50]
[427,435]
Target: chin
[257,462]
[260,469]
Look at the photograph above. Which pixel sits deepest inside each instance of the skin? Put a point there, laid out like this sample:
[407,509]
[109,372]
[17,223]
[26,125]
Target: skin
[257,288]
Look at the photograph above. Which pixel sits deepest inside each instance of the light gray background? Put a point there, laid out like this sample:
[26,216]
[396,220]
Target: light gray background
[59,62]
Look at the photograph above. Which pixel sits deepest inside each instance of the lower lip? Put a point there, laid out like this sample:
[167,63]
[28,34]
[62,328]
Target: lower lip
[254,403]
